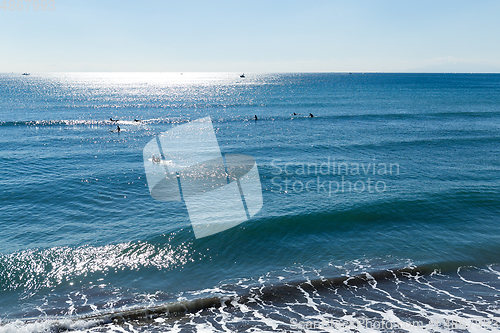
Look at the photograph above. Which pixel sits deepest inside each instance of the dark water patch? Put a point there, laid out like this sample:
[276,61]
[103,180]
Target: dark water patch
[408,292]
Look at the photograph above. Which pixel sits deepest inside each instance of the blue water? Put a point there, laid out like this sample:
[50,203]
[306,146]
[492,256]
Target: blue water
[403,173]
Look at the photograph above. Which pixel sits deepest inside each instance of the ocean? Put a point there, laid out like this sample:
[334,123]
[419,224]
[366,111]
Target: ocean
[380,213]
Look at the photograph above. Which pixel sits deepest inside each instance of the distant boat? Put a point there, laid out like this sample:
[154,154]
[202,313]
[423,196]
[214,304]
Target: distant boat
[242,75]
[26,73]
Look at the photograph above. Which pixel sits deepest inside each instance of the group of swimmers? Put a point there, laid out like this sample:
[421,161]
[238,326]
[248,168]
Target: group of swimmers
[117,126]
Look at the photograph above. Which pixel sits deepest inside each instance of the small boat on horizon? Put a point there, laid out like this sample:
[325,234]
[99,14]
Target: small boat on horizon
[26,74]
[242,75]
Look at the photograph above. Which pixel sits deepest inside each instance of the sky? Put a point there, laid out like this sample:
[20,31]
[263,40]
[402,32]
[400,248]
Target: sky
[250,36]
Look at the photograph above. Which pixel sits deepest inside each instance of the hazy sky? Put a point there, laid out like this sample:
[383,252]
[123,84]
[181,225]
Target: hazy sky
[252,36]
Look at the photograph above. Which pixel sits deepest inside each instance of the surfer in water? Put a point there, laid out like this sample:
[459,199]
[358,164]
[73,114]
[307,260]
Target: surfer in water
[136,120]
[111,119]
[118,128]
[311,115]
[256,117]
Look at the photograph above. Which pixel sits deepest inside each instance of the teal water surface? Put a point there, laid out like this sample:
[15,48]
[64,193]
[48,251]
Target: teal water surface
[393,171]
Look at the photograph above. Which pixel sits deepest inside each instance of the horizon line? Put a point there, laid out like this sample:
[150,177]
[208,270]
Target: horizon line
[232,72]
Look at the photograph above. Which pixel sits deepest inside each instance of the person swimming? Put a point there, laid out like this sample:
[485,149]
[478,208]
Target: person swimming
[111,119]
[136,120]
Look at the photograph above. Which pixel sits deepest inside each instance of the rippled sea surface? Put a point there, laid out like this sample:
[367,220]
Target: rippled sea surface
[380,213]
